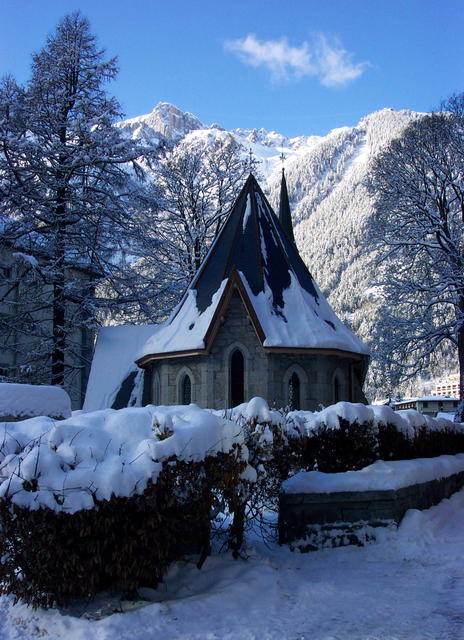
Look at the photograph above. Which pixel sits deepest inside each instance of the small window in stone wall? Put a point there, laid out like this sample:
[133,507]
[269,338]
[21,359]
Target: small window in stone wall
[5,271]
[186,389]
[4,371]
[294,392]
[237,378]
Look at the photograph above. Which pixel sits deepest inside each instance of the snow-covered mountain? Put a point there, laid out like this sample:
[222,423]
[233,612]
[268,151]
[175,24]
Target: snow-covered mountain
[325,177]
[167,124]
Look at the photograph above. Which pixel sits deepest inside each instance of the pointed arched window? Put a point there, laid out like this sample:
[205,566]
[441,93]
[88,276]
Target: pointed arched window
[294,392]
[237,378]
[186,389]
[336,389]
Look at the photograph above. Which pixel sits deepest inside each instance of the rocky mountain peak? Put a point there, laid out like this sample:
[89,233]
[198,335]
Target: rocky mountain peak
[165,120]
[171,122]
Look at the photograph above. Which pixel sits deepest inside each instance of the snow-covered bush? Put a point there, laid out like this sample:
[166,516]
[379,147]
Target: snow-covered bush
[109,499]
[275,446]
[345,436]
[348,436]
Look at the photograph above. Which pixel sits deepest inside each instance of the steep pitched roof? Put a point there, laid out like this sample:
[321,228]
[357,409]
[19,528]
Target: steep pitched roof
[253,254]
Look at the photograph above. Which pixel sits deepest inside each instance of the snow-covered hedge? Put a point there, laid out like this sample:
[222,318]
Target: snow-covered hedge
[74,464]
[348,436]
[19,401]
[109,499]
[407,422]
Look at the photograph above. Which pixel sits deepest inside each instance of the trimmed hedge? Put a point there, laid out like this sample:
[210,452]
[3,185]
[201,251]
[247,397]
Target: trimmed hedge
[353,446]
[52,557]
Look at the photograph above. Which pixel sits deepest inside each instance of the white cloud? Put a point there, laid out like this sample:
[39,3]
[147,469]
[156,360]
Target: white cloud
[323,58]
[282,60]
[335,66]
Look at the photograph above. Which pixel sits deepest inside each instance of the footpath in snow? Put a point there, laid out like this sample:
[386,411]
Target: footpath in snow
[408,586]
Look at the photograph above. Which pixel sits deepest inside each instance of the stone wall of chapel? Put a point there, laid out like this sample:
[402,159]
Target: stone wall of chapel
[237,332]
[210,373]
[318,388]
[265,374]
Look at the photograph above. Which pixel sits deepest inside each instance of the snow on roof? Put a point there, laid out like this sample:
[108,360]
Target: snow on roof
[114,362]
[289,305]
[302,322]
[426,399]
[187,329]
[445,415]
[21,400]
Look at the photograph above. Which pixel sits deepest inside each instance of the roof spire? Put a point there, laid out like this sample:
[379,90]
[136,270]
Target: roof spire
[285,215]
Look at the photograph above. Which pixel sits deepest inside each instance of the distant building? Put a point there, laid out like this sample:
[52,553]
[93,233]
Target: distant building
[448,386]
[428,405]
[26,326]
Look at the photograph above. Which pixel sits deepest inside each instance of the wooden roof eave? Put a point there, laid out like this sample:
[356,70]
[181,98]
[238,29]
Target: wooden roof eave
[341,353]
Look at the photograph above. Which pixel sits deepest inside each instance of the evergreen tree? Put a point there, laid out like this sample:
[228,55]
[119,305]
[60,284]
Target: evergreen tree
[68,197]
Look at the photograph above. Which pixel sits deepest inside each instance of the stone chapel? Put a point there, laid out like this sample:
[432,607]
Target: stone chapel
[253,322]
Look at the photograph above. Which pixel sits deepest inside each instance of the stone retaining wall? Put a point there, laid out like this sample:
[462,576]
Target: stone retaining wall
[307,520]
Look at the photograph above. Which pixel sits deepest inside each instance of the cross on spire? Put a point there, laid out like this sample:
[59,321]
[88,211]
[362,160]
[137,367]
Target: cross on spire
[251,163]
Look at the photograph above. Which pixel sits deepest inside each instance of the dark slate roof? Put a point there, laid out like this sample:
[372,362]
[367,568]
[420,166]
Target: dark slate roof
[285,215]
[285,301]
[252,242]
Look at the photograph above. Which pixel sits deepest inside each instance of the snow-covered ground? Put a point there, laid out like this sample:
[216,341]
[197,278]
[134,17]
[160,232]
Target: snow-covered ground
[408,586]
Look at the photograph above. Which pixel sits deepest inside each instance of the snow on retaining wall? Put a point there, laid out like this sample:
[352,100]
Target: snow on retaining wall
[319,510]
[67,465]
[27,400]
[379,476]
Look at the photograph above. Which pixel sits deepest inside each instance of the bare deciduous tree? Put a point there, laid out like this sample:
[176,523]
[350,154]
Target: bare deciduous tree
[418,186]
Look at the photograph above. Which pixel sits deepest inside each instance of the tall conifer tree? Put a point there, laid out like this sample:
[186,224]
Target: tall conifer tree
[67,193]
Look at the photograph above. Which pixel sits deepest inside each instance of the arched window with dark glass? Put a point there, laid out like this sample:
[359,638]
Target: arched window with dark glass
[186,389]
[336,389]
[294,392]
[237,378]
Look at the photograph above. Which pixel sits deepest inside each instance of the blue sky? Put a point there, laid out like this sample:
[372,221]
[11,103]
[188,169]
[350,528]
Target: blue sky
[294,66]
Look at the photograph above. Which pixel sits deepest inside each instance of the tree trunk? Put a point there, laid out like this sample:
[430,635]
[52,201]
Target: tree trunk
[459,417]
[59,339]
[59,305]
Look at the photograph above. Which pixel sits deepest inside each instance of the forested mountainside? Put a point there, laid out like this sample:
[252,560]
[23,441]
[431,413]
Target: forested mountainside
[330,204]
